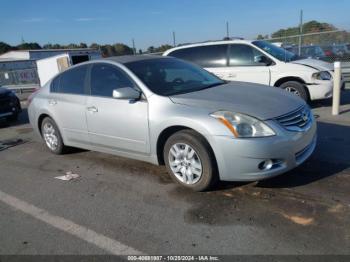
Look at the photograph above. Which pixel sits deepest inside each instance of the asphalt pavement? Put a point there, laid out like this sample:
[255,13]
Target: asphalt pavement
[122,206]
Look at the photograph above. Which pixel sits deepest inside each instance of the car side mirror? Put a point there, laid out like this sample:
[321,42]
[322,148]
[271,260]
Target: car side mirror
[127,93]
[262,60]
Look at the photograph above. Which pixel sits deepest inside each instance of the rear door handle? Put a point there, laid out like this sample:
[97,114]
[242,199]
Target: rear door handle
[92,109]
[52,102]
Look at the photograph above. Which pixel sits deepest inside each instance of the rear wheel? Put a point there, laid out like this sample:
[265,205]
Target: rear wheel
[52,136]
[189,160]
[295,88]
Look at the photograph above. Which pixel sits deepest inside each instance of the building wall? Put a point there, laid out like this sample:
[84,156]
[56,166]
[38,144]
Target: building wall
[17,73]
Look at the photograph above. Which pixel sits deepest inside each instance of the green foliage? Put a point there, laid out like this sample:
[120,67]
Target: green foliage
[4,47]
[28,46]
[159,49]
[261,37]
[317,39]
[309,27]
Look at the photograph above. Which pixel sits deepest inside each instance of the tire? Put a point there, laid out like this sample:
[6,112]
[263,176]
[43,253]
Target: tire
[298,88]
[57,147]
[202,154]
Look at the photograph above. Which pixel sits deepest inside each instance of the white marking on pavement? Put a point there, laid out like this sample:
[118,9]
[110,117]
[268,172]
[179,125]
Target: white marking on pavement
[110,245]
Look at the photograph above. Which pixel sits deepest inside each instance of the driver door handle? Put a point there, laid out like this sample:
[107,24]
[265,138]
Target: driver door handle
[92,109]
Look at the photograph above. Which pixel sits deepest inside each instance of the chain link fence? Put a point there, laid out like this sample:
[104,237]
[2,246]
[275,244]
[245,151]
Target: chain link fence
[329,46]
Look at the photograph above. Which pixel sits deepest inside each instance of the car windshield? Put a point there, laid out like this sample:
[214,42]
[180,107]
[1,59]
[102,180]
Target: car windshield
[170,76]
[277,52]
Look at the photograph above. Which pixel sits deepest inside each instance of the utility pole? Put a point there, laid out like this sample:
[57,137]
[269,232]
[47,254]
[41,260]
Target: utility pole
[227,31]
[133,46]
[300,31]
[174,39]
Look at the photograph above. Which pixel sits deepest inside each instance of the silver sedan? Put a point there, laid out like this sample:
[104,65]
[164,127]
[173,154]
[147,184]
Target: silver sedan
[166,111]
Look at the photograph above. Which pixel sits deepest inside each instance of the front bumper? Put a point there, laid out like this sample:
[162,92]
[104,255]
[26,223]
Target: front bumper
[320,90]
[239,159]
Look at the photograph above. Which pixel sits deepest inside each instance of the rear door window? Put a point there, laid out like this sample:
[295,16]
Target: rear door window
[204,56]
[71,81]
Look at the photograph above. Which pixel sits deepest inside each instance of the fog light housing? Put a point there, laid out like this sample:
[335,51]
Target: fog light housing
[266,164]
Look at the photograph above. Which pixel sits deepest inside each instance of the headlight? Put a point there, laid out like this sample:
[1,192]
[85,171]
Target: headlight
[242,125]
[324,75]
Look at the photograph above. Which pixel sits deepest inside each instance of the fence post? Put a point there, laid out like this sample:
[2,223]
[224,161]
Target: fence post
[336,88]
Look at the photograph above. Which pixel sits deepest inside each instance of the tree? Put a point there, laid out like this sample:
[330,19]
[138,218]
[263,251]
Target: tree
[29,46]
[83,45]
[261,37]
[151,49]
[5,47]
[95,46]
[313,27]
[163,48]
[122,49]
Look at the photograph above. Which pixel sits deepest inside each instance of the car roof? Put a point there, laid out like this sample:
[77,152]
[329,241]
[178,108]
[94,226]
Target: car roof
[133,58]
[221,42]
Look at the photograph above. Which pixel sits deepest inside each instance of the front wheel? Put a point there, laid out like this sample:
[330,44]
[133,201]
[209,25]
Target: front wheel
[189,160]
[296,88]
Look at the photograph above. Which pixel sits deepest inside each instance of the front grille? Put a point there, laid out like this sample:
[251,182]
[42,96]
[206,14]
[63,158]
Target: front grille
[298,120]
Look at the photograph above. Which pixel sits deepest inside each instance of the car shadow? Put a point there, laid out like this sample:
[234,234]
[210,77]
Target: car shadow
[330,158]
[22,120]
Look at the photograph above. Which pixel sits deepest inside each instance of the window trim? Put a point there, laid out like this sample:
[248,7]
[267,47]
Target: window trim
[136,87]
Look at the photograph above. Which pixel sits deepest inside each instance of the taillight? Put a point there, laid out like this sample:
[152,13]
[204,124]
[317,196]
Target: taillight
[31,97]
[328,53]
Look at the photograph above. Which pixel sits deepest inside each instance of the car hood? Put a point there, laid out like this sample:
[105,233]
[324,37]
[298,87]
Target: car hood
[314,63]
[260,101]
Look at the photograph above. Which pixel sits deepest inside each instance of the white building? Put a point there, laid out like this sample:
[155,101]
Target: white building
[27,69]
[76,55]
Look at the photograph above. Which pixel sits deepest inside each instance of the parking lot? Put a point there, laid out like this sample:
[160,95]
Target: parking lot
[123,206]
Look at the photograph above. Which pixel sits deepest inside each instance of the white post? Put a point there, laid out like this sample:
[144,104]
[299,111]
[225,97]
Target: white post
[336,88]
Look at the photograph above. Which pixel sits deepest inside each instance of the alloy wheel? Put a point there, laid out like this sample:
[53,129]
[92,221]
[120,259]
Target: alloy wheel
[185,163]
[292,90]
[50,137]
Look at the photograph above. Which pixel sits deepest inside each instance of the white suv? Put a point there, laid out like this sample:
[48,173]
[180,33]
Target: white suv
[261,62]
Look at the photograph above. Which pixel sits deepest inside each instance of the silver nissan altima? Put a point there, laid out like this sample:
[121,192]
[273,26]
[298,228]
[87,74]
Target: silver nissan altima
[166,111]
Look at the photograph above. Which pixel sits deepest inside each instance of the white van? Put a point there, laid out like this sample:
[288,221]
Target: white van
[261,62]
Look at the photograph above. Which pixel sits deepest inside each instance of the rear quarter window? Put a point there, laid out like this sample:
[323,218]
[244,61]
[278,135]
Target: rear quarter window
[71,81]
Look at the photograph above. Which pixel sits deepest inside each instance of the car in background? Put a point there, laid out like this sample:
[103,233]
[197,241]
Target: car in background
[339,52]
[309,51]
[10,105]
[263,63]
[167,111]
